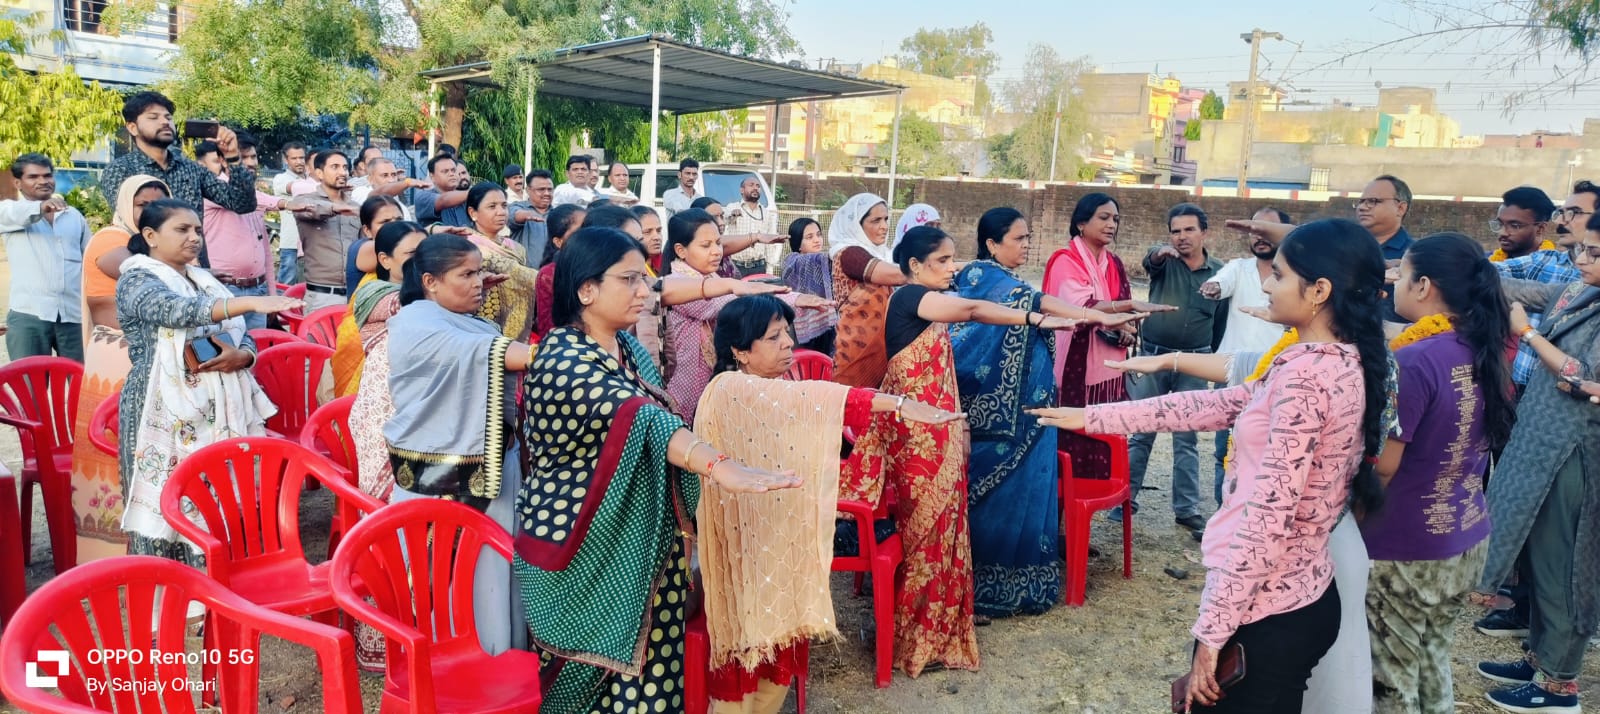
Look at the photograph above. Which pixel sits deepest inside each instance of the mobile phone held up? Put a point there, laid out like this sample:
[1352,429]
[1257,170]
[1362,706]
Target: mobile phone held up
[201,128]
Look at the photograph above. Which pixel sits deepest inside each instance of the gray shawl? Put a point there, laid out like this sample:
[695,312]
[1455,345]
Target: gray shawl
[1552,427]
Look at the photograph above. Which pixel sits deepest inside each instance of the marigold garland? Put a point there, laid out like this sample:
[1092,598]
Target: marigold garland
[1290,337]
[1500,253]
[1421,330]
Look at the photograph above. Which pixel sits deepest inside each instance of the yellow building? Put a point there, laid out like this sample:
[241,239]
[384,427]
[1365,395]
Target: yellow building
[857,132]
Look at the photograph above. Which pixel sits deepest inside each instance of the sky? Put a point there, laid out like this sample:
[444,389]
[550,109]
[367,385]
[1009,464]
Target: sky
[1198,42]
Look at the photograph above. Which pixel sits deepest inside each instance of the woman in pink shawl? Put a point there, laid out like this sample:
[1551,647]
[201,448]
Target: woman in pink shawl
[1087,273]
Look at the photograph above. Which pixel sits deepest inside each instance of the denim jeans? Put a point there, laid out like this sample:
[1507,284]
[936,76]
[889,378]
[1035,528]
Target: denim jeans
[252,320]
[289,266]
[1185,457]
[29,336]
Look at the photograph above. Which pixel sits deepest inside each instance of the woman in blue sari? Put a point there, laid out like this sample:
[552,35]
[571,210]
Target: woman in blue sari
[1013,506]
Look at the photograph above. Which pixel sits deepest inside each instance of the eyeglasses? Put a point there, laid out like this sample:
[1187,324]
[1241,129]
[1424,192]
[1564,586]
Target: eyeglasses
[632,279]
[1585,253]
[1371,202]
[1496,224]
[1569,213]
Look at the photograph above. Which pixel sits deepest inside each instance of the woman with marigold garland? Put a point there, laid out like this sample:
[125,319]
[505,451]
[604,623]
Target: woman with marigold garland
[1308,433]
[1429,539]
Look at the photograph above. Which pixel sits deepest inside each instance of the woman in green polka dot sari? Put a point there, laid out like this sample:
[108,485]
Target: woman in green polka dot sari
[613,480]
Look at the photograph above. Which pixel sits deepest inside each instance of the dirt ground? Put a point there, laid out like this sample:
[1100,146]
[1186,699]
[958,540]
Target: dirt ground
[1117,653]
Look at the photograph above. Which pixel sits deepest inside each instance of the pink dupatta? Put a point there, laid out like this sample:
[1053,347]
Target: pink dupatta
[1074,275]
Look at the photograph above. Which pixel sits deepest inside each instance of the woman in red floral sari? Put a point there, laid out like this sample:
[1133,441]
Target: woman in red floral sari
[926,464]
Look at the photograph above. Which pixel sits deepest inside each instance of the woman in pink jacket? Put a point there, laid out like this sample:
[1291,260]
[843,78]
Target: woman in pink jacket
[1307,429]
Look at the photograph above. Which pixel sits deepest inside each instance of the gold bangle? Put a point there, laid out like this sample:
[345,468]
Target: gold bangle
[1175,357]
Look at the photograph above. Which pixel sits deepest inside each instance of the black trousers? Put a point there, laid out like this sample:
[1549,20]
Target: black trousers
[1279,654]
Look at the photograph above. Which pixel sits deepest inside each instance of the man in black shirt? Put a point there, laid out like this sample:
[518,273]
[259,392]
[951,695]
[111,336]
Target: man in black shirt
[149,122]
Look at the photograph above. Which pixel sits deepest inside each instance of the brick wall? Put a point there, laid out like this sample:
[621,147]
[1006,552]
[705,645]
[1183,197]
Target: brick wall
[1144,211]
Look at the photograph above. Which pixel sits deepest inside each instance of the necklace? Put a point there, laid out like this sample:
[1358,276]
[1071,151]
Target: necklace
[1499,254]
[1421,330]
[1290,337]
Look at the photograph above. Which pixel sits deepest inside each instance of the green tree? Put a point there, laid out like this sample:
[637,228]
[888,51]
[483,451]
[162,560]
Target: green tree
[357,60]
[951,53]
[1211,107]
[50,112]
[922,151]
[1048,78]
[266,62]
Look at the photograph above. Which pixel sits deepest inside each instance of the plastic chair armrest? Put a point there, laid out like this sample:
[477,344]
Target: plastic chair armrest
[33,433]
[217,559]
[334,647]
[866,534]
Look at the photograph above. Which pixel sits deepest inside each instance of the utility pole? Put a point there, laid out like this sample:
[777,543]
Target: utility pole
[1055,141]
[1248,136]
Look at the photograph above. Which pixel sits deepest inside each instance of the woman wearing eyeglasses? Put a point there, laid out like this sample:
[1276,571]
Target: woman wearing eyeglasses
[1545,499]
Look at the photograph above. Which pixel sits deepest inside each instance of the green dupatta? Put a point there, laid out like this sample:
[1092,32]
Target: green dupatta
[600,509]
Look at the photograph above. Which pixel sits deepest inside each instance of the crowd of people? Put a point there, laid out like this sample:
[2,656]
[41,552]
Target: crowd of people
[1403,426]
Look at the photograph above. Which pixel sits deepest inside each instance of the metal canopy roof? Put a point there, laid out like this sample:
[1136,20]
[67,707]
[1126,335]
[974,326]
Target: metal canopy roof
[693,79]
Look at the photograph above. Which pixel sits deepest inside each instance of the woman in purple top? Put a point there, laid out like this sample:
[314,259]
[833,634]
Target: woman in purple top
[1428,540]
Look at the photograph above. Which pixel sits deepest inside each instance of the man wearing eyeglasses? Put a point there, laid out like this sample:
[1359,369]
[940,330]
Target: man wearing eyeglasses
[1382,211]
[1520,223]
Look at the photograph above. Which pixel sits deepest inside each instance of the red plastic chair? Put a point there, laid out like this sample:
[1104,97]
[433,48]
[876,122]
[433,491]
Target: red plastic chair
[810,365]
[13,574]
[245,498]
[289,374]
[39,398]
[697,669]
[291,318]
[267,338]
[759,276]
[1081,498]
[881,560]
[137,603]
[322,327]
[328,433]
[415,561]
[104,430]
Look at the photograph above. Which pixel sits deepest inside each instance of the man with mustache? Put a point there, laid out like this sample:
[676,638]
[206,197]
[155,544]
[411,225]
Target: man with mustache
[1239,282]
[328,227]
[1520,223]
[148,118]
[1176,271]
[44,239]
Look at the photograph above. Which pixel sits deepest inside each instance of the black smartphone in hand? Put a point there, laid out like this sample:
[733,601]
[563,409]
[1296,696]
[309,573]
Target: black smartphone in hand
[201,128]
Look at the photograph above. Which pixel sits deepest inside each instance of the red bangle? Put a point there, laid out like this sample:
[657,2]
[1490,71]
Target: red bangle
[713,463]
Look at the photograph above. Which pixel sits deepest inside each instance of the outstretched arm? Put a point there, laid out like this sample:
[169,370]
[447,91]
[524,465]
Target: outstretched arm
[935,307]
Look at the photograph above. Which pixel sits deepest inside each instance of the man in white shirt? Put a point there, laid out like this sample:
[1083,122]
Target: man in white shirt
[294,169]
[751,217]
[678,198]
[360,171]
[511,177]
[384,178]
[1239,282]
[576,190]
[617,191]
[45,239]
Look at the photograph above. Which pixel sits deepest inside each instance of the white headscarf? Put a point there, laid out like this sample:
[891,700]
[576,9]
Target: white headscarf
[916,214]
[845,231]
